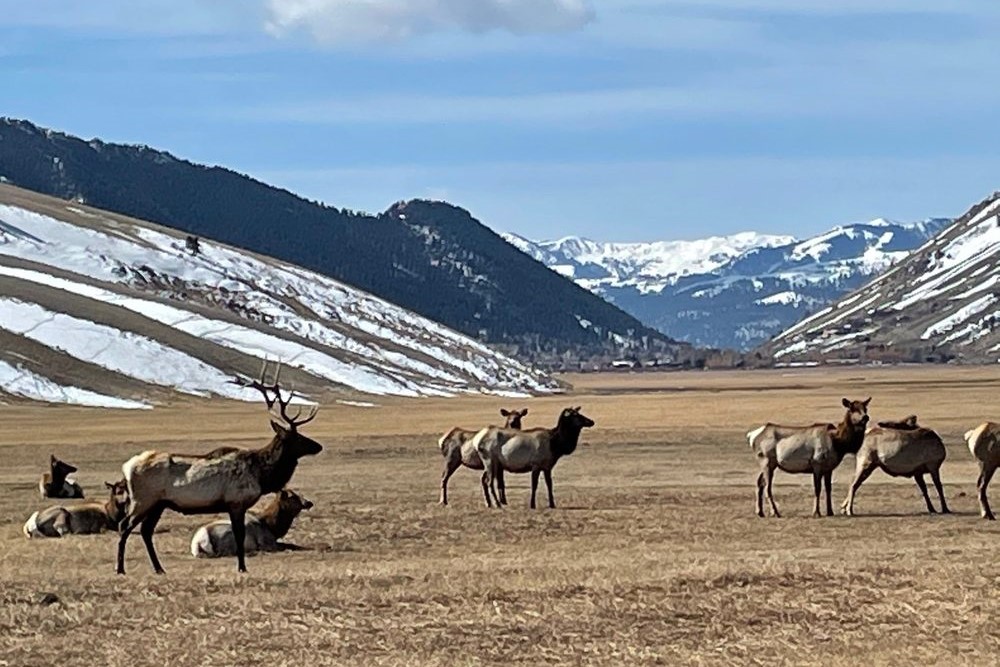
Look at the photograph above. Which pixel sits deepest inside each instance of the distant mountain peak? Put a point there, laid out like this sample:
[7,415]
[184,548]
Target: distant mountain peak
[732,290]
[938,303]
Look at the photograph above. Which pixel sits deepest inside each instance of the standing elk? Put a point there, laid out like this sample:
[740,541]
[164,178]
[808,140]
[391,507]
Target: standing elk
[82,519]
[816,449]
[263,529]
[458,450]
[901,449]
[230,482]
[984,443]
[536,451]
[56,483]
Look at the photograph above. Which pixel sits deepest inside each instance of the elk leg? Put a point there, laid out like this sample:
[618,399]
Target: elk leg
[827,482]
[548,485]
[919,479]
[486,487]
[936,478]
[237,517]
[126,526]
[760,494]
[146,530]
[817,482]
[984,503]
[493,488]
[534,487]
[503,487]
[450,466]
[859,478]
[769,478]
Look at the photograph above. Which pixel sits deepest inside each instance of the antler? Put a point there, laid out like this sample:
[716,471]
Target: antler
[266,390]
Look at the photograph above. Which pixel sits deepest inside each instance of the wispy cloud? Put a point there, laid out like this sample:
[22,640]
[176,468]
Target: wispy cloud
[353,21]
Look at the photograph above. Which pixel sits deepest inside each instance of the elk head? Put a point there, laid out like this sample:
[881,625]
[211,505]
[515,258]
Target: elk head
[513,417]
[857,411]
[60,469]
[285,426]
[571,418]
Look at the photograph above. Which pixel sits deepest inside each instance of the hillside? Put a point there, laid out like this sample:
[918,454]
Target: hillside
[429,257]
[938,304]
[100,309]
[734,291]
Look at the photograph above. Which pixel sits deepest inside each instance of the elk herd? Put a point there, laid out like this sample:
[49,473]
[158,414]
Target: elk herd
[231,480]
[899,448]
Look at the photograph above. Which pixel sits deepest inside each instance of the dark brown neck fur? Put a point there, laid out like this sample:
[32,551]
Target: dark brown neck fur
[277,519]
[564,439]
[847,437]
[275,465]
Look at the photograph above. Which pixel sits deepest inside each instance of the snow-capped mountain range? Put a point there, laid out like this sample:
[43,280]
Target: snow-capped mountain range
[940,303]
[104,310]
[732,291]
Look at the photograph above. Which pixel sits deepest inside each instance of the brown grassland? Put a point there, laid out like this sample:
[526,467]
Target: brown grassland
[654,555]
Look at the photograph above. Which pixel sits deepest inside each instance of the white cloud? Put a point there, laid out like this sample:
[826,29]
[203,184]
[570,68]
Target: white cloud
[351,21]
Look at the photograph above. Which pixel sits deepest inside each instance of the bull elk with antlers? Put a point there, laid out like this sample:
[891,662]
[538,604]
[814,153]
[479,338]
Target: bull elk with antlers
[230,480]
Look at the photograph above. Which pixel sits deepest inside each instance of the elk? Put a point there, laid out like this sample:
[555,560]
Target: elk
[816,449]
[984,443]
[536,451]
[56,482]
[457,449]
[82,519]
[901,449]
[263,529]
[231,481]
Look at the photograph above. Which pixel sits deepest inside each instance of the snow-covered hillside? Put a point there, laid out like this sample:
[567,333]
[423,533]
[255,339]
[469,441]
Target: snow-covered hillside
[734,291]
[99,309]
[939,303]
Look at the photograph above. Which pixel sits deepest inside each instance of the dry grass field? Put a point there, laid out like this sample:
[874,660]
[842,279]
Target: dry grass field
[654,555]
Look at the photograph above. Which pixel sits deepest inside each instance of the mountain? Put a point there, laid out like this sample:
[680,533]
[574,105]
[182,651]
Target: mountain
[733,291]
[430,257]
[101,309]
[940,303]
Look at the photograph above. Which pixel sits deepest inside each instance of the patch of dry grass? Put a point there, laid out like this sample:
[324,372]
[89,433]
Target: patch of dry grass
[654,556]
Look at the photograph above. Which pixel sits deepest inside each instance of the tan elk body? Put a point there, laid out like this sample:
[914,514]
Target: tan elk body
[901,449]
[231,481]
[56,483]
[458,450]
[984,444]
[80,519]
[814,450]
[534,450]
[263,528]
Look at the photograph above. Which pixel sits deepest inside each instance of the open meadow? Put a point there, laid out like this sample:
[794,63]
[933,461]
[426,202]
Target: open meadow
[653,556]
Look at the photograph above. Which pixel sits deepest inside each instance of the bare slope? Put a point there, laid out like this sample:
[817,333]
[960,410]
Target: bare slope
[939,303]
[97,308]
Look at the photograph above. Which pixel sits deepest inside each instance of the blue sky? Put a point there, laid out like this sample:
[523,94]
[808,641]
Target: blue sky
[627,120]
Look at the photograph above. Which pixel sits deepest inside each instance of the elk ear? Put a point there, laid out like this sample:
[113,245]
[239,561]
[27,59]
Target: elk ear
[278,428]
[867,401]
[847,403]
[52,459]
[504,412]
[110,485]
[524,413]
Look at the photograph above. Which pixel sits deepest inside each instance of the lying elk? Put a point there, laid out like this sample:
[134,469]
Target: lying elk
[984,443]
[816,449]
[263,529]
[56,482]
[457,449]
[536,451]
[228,482]
[82,519]
[901,449]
